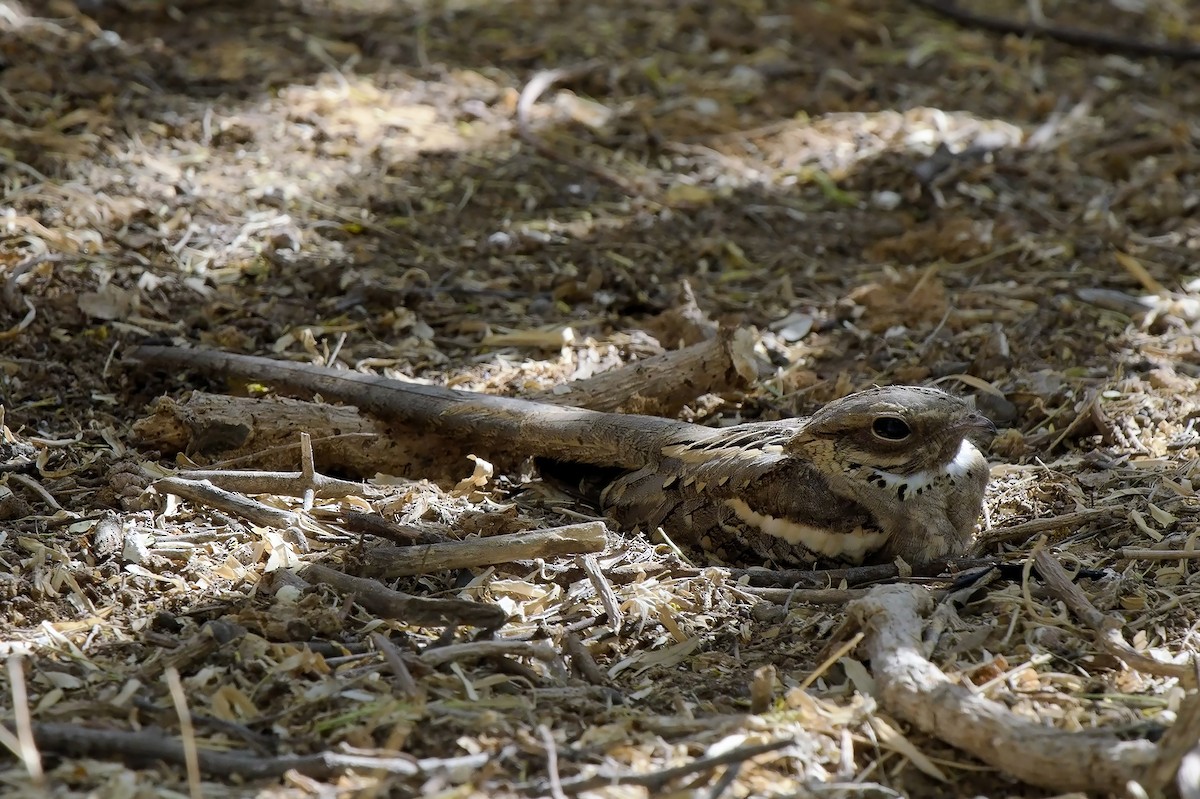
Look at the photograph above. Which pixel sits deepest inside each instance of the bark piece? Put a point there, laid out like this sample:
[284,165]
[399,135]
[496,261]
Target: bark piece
[660,384]
[406,561]
[914,689]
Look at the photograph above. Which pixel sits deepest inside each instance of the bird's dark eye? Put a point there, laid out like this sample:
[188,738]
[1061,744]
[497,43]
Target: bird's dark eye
[890,427]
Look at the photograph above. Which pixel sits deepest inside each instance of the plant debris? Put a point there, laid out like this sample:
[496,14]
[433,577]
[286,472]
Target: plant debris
[511,197]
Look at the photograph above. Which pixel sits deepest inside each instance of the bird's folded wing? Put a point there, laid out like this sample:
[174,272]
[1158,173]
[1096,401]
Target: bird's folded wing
[737,493]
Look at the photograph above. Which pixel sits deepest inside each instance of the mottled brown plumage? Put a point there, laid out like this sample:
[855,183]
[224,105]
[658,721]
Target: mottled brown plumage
[878,474]
[827,487]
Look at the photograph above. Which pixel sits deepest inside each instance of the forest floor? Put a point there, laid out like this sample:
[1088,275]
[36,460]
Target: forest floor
[882,195]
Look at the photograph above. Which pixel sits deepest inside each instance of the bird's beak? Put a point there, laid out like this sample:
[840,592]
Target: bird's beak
[976,422]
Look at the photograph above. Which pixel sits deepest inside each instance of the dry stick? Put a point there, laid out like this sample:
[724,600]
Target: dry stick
[37,488]
[607,598]
[149,745]
[441,655]
[407,561]
[656,780]
[481,421]
[816,596]
[853,575]
[23,744]
[1174,745]
[914,689]
[663,384]
[376,525]
[205,493]
[286,484]
[1095,40]
[383,601]
[547,737]
[537,85]
[391,653]
[186,732]
[582,660]
[1106,627]
[1026,530]
[284,448]
[1133,553]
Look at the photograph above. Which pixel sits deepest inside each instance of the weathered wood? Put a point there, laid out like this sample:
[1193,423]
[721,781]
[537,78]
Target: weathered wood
[389,562]
[544,427]
[914,690]
[264,433]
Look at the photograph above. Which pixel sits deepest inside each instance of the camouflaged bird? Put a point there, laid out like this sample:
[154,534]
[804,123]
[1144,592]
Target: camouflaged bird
[883,473]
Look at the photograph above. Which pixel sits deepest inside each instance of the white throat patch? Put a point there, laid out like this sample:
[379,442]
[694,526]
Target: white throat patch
[967,453]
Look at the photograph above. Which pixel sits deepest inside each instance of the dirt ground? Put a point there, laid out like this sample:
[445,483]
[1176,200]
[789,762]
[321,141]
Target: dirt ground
[884,196]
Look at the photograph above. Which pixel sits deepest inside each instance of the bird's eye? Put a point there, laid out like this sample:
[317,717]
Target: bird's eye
[891,428]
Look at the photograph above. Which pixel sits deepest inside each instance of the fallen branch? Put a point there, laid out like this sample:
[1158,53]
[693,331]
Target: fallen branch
[363,444]
[262,432]
[1026,530]
[436,656]
[205,493]
[1133,553]
[390,604]
[915,690]
[663,384]
[406,561]
[1106,627]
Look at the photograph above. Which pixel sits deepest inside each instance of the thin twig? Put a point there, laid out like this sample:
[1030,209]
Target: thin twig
[1133,553]
[537,85]
[656,780]
[556,789]
[22,744]
[583,661]
[607,598]
[391,653]
[1026,530]
[385,602]
[436,656]
[187,732]
[1107,628]
[149,745]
